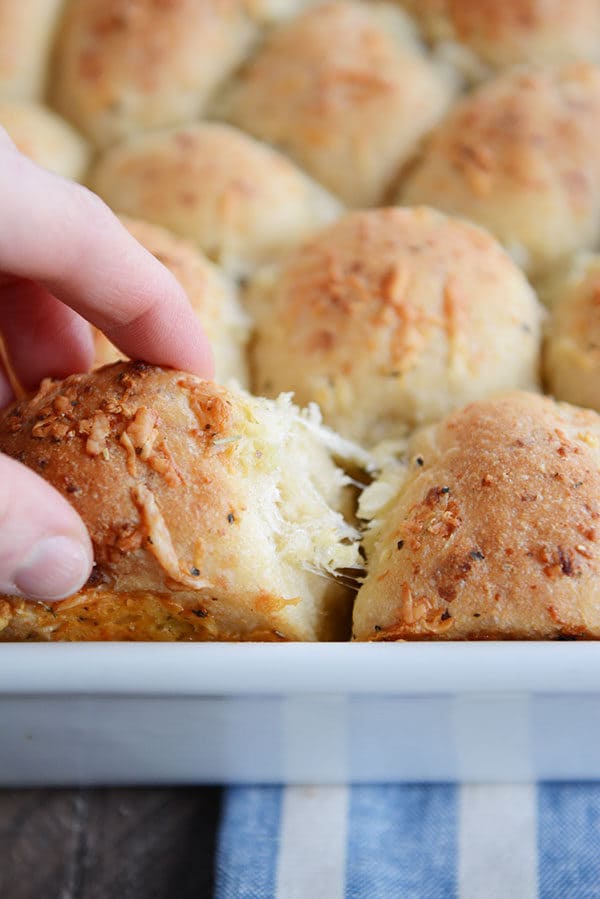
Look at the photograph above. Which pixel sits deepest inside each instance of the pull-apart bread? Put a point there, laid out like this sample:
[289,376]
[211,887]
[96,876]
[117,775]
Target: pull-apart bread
[27,33]
[572,347]
[125,66]
[213,514]
[240,201]
[491,530]
[520,156]
[390,318]
[505,32]
[347,90]
[46,138]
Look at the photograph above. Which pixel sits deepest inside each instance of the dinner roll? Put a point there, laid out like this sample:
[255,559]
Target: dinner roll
[210,292]
[27,30]
[45,138]
[506,32]
[131,65]
[493,532]
[347,91]
[520,156]
[572,347]
[241,202]
[393,317]
[212,513]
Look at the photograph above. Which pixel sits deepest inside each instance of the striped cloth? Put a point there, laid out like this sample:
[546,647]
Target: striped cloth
[410,841]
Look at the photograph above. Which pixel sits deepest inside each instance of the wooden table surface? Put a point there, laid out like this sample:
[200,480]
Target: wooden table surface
[108,843]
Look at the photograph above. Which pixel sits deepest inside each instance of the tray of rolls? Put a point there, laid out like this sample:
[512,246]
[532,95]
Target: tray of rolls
[387,217]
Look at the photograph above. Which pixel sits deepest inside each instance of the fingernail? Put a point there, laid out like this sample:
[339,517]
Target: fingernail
[55,568]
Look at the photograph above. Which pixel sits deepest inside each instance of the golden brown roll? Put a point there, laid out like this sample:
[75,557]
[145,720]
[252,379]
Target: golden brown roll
[520,156]
[45,137]
[492,530]
[391,318]
[27,31]
[572,346]
[241,202]
[347,91]
[212,295]
[132,65]
[212,513]
[506,32]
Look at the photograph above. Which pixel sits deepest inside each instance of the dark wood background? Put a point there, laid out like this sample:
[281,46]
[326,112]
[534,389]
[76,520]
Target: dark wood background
[108,843]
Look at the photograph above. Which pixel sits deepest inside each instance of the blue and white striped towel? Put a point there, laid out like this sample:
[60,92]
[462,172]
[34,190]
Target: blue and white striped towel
[410,841]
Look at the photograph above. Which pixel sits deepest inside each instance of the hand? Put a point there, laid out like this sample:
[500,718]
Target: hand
[65,259]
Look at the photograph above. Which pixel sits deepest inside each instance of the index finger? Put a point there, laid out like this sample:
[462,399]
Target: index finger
[63,236]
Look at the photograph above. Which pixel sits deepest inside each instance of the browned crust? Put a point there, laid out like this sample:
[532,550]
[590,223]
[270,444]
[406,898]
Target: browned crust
[165,472]
[100,615]
[112,441]
[496,534]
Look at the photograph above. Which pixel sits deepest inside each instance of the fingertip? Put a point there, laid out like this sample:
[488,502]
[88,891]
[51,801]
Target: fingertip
[196,355]
[45,550]
[56,567]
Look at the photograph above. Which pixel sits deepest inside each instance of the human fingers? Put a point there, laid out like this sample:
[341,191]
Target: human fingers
[42,336]
[6,391]
[61,235]
[45,550]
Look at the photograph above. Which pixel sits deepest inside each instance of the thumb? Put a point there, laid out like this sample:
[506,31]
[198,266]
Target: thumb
[45,550]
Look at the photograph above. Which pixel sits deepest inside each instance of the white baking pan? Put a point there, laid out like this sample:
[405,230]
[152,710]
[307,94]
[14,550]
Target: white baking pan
[214,713]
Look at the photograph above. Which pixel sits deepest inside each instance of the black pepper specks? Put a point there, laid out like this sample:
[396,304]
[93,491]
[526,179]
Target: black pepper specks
[400,544]
[444,490]
[377,628]
[420,461]
[195,572]
[446,616]
[477,555]
[231,518]
[200,613]
[566,562]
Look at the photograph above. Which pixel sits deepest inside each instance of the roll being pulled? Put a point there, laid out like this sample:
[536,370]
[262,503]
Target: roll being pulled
[491,529]
[213,514]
